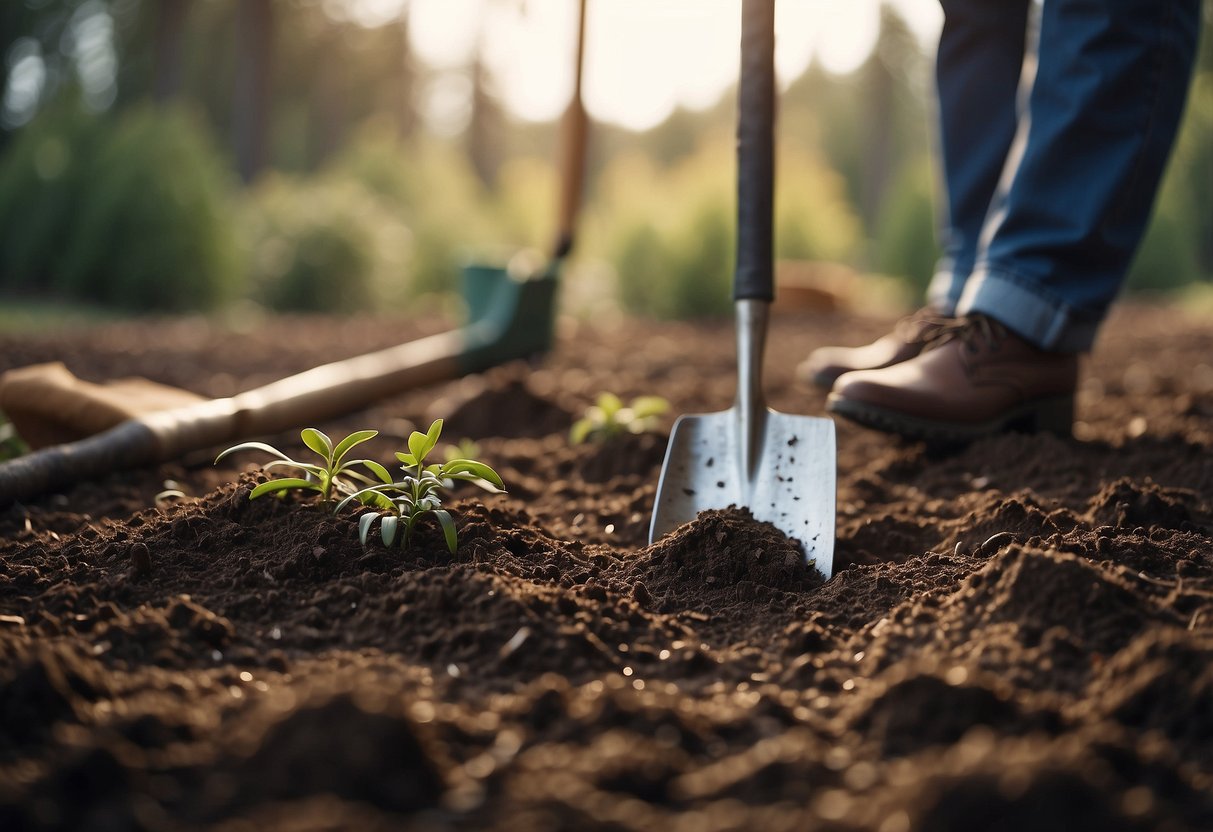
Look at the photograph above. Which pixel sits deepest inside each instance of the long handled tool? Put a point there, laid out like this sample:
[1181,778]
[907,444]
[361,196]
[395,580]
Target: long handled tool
[102,428]
[574,131]
[779,466]
[516,324]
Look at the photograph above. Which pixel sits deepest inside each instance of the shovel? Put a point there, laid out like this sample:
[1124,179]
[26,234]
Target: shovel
[779,466]
[48,401]
[87,430]
[574,131]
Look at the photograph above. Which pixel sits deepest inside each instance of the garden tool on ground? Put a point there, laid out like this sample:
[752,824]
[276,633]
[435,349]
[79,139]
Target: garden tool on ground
[574,133]
[86,430]
[781,467]
[47,403]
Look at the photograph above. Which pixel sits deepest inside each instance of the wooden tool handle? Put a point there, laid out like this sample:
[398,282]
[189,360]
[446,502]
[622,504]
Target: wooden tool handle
[311,396]
[574,130]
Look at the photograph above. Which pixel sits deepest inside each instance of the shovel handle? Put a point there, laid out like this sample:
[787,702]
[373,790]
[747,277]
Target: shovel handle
[574,129]
[129,444]
[756,153]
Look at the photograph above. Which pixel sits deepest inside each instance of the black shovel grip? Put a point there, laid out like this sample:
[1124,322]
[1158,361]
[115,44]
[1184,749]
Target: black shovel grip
[756,153]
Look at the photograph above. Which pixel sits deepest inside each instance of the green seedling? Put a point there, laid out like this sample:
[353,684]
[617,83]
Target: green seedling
[609,418]
[334,474]
[407,501]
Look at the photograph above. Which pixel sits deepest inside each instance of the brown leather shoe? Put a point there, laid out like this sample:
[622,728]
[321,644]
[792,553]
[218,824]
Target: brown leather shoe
[976,377]
[825,364]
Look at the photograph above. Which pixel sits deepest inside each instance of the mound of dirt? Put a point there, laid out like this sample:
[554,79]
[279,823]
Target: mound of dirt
[1018,634]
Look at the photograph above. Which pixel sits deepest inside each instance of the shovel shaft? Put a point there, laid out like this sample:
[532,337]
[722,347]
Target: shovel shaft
[751,405]
[756,153]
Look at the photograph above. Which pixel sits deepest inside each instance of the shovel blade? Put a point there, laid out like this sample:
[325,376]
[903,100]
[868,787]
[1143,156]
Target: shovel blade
[792,486]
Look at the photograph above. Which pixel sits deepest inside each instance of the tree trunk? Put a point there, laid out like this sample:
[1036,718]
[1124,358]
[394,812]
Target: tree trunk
[485,128]
[406,110]
[171,17]
[251,96]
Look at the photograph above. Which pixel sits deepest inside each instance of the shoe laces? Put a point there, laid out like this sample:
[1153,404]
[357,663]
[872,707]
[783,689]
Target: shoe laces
[921,327]
[975,332]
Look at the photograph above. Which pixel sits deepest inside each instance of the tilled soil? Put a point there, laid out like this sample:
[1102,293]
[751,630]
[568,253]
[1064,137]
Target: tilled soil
[1019,634]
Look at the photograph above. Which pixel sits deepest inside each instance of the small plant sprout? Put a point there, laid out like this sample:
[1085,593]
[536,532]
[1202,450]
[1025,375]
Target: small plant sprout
[609,418]
[333,475]
[407,501]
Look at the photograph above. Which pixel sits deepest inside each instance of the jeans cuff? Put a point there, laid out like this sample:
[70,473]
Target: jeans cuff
[944,289]
[1028,309]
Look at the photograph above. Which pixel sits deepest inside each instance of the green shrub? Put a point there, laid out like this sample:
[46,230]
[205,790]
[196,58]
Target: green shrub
[323,245]
[685,273]
[128,211]
[1168,255]
[905,243]
[431,188]
[43,175]
[671,232]
[813,218]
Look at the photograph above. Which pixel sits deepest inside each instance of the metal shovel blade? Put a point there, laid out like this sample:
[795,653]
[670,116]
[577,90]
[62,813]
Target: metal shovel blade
[780,467]
[792,485]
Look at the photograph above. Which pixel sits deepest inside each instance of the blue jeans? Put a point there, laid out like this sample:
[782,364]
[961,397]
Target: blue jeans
[1055,128]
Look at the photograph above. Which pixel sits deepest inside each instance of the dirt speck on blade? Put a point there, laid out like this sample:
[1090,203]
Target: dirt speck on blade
[1019,634]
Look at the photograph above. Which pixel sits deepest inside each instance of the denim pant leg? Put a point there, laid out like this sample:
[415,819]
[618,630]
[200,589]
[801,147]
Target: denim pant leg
[1110,84]
[977,74]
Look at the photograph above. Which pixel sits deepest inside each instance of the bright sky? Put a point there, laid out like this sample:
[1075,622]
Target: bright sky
[643,57]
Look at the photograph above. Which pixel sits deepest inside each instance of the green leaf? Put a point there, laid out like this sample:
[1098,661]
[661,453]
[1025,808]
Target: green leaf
[644,407]
[356,438]
[387,529]
[580,431]
[417,446]
[370,495]
[378,470]
[346,472]
[478,470]
[318,442]
[408,460]
[448,528]
[254,446]
[364,525]
[313,470]
[610,404]
[285,484]
[380,500]
[433,433]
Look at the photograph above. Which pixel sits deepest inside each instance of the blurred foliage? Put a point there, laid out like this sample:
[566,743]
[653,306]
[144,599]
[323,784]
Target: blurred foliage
[1178,248]
[322,245]
[430,187]
[906,246]
[670,231]
[129,211]
[118,184]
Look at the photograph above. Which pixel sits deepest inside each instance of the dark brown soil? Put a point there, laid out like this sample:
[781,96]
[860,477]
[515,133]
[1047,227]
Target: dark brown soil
[1019,636]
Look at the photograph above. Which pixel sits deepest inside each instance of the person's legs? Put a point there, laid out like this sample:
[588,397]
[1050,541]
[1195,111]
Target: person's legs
[1111,80]
[1111,77]
[977,74]
[980,56]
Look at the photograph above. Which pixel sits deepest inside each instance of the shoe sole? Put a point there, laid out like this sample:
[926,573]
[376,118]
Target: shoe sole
[1051,415]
